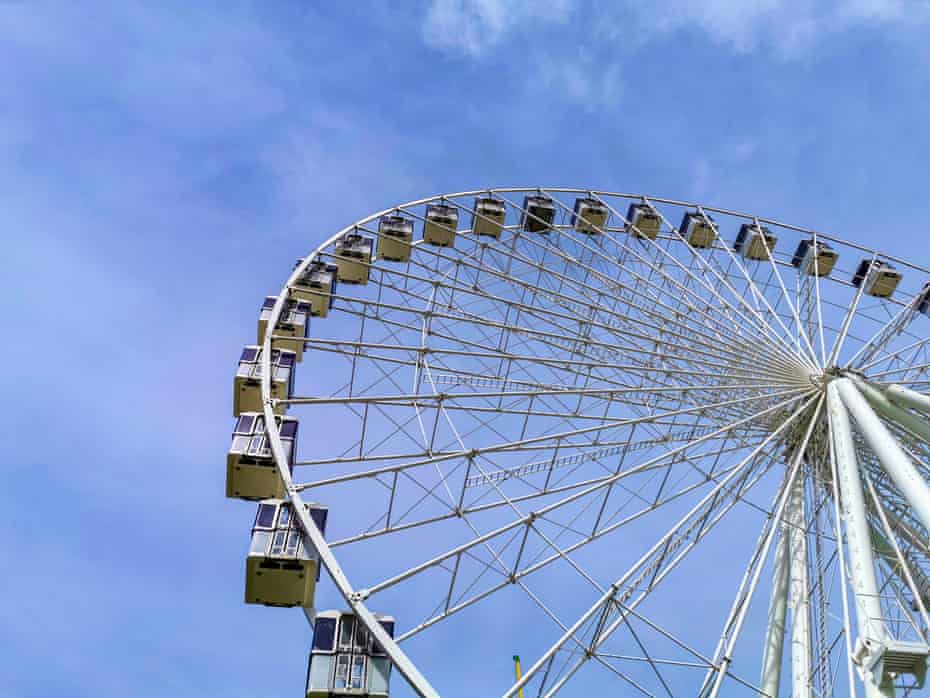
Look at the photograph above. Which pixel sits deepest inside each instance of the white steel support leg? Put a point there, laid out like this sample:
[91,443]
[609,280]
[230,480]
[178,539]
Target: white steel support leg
[907,572]
[841,556]
[909,398]
[885,407]
[778,608]
[893,458]
[869,620]
[800,594]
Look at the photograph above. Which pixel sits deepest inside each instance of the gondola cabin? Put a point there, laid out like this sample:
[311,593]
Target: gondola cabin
[923,301]
[353,258]
[282,566]
[698,229]
[538,214]
[876,278]
[643,221]
[814,258]
[247,388]
[440,225]
[345,660]
[291,328]
[589,216]
[250,468]
[395,236]
[488,217]
[317,286]
[754,242]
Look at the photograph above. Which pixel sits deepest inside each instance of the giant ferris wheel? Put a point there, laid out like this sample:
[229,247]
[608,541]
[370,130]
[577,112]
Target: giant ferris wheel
[604,410]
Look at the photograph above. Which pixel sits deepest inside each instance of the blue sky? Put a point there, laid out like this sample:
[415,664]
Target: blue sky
[161,167]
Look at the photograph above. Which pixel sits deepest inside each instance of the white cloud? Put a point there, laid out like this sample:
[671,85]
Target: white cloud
[788,27]
[702,178]
[742,150]
[473,27]
[882,9]
[582,79]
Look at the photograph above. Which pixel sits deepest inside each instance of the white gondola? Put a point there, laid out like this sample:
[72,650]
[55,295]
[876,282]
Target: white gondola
[440,225]
[488,217]
[877,278]
[538,214]
[395,235]
[291,330]
[353,258]
[698,229]
[923,302]
[345,660]
[815,258]
[316,285]
[282,567]
[589,216]
[755,242]
[643,221]
[250,468]
[247,389]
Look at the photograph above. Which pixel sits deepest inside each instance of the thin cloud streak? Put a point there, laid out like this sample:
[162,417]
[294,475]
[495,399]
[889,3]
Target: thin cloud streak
[787,28]
[474,27]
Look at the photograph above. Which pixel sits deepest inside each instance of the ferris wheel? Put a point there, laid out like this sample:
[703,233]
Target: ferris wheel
[604,410]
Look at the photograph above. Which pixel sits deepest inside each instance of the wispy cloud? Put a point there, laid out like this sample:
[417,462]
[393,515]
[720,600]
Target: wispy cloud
[787,27]
[582,79]
[473,27]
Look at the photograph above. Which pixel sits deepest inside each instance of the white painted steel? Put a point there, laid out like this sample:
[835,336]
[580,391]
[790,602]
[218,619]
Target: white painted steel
[406,667]
[885,407]
[710,356]
[869,613]
[841,552]
[801,644]
[682,524]
[858,538]
[909,398]
[783,503]
[773,651]
[893,458]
